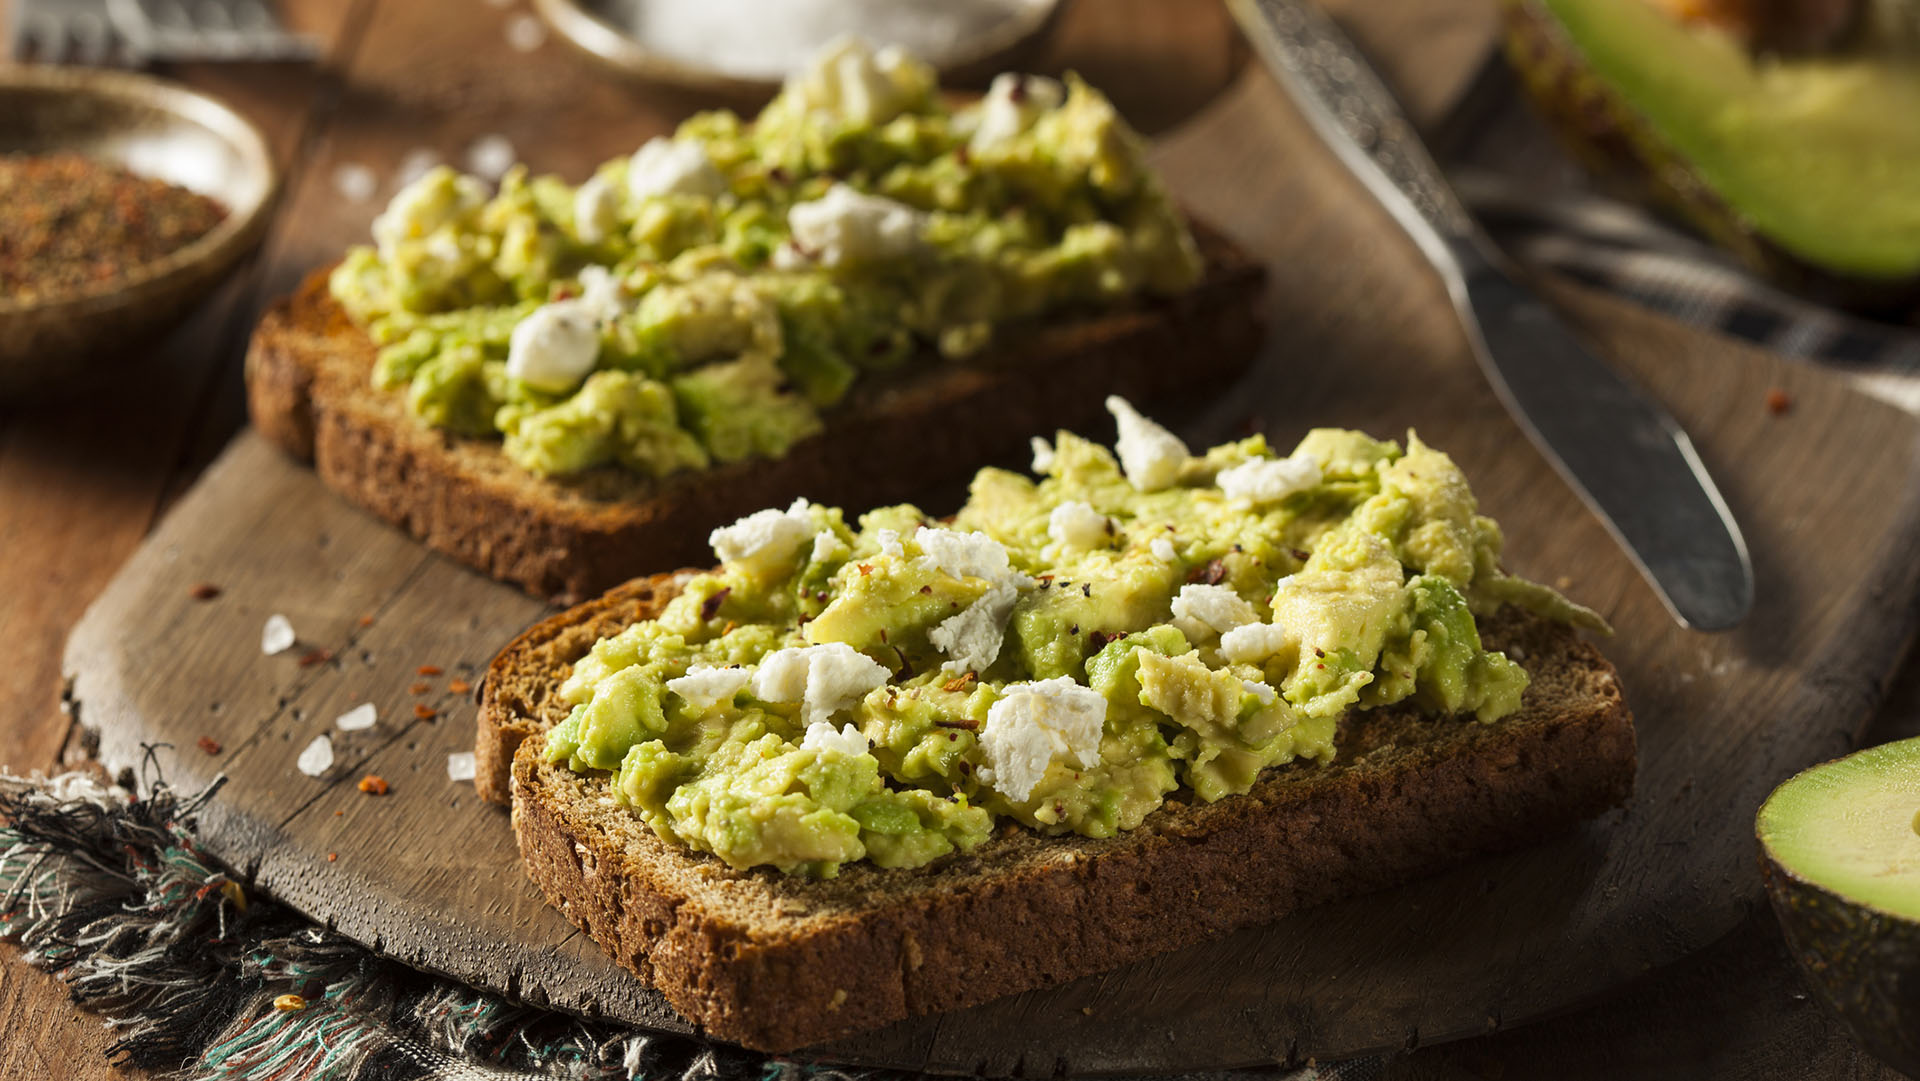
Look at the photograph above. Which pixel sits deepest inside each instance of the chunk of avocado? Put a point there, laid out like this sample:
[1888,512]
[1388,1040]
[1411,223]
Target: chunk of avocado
[1840,848]
[1805,168]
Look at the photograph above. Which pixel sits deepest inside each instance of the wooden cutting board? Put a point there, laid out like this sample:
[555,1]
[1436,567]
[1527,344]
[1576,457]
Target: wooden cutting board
[1829,494]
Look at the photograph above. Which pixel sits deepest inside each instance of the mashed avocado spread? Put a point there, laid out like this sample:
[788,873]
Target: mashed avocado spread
[1064,652]
[707,298]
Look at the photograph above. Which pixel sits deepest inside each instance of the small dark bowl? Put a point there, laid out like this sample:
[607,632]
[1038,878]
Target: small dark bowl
[155,129]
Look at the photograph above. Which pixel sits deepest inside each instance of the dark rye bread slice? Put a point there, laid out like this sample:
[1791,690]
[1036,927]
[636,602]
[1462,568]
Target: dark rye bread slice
[777,963]
[309,391]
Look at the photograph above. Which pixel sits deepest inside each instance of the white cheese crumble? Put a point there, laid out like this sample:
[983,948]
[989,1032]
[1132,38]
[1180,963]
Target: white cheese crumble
[1269,480]
[765,541]
[277,635]
[705,686]
[826,545]
[422,206]
[1201,610]
[1035,724]
[1011,106]
[555,346]
[1251,643]
[664,166]
[972,639]
[1163,550]
[1150,455]
[965,555]
[822,736]
[890,543]
[317,758]
[1043,455]
[824,679]
[1076,527]
[845,226]
[460,766]
[855,82]
[1266,694]
[357,719]
[596,209]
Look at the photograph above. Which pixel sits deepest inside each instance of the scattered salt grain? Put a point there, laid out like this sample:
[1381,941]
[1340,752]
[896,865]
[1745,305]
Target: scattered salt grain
[355,182]
[317,759]
[460,766]
[490,157]
[357,719]
[277,636]
[526,33]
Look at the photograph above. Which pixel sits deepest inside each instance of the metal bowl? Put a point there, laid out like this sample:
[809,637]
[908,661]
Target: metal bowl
[608,31]
[155,129]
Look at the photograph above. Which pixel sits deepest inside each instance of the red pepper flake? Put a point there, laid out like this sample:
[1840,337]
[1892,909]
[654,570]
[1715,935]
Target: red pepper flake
[424,711]
[711,606]
[209,745]
[373,785]
[204,591]
[315,656]
[1778,401]
[865,569]
[420,688]
[366,621]
[459,686]
[957,684]
[1213,573]
[332,856]
[1099,639]
[1300,555]
[428,670]
[926,589]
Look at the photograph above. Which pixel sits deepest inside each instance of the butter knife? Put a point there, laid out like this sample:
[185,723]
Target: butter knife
[1630,461]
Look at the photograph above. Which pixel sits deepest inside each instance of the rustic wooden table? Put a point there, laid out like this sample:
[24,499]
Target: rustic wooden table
[81,482]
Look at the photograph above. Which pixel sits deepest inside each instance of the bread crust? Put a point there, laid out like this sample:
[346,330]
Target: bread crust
[776,962]
[309,391]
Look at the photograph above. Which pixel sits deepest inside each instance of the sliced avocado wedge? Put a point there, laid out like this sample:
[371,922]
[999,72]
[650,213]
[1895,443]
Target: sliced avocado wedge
[1840,849]
[1806,168]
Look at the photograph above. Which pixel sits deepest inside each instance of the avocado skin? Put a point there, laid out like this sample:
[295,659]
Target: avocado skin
[1617,145]
[1862,963]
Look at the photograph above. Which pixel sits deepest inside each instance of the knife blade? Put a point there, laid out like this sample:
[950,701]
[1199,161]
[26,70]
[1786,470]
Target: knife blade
[1629,461]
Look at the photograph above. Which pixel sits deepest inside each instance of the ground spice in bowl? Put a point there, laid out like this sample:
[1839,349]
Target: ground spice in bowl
[70,224]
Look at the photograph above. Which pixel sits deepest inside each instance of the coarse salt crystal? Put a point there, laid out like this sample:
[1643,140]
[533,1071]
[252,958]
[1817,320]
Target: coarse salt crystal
[460,766]
[277,636]
[317,759]
[357,719]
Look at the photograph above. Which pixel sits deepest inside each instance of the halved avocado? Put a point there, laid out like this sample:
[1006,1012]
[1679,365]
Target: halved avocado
[1805,168]
[1840,851]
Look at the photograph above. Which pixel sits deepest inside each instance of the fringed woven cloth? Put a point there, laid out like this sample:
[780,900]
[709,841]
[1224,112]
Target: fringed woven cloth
[204,979]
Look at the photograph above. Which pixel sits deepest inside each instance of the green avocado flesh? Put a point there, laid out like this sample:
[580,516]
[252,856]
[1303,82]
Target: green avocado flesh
[710,298]
[1821,156]
[1065,653]
[1853,827]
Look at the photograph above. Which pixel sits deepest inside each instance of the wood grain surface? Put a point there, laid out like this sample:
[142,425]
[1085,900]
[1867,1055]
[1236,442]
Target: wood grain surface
[82,483]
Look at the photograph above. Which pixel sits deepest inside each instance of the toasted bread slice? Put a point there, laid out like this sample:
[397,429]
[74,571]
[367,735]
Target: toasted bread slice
[778,962]
[309,390]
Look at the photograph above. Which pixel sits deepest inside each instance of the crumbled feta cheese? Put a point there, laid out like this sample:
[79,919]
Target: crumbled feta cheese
[1034,724]
[596,209]
[1201,610]
[602,292]
[317,758]
[705,686]
[964,555]
[1266,694]
[277,636]
[1269,480]
[1150,455]
[1163,550]
[432,200]
[826,545]
[764,542]
[824,679]
[1251,643]
[890,543]
[357,719]
[555,346]
[1076,526]
[972,639]
[664,166]
[1042,455]
[460,766]
[845,226]
[822,736]
[851,80]
[1011,106]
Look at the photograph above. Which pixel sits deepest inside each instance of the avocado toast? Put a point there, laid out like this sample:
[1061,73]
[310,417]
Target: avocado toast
[856,775]
[857,293]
